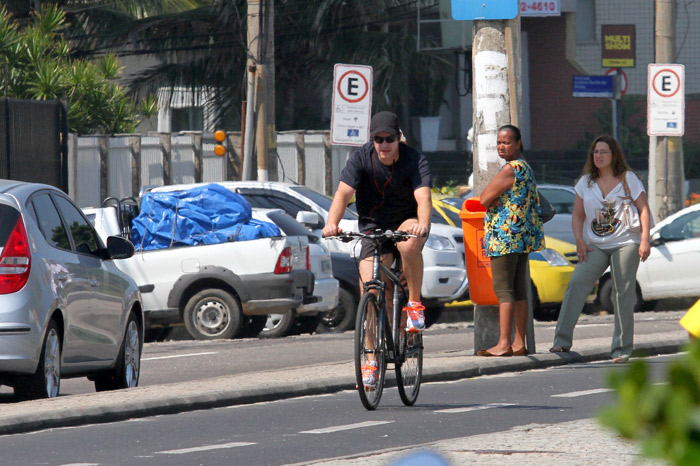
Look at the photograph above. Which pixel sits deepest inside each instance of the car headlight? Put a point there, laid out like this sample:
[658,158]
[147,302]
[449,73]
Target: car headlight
[552,257]
[439,243]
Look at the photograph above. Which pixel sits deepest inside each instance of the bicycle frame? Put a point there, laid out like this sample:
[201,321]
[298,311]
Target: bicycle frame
[391,332]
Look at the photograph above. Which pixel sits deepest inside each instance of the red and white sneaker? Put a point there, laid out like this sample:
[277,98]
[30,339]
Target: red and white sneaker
[415,317]
[370,375]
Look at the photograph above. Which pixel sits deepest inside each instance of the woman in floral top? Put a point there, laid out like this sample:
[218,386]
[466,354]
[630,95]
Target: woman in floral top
[513,226]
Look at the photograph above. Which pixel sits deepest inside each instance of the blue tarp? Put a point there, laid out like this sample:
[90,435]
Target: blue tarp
[207,214]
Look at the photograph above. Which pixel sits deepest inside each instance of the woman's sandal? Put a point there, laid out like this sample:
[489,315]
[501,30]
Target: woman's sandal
[558,349]
[487,353]
[520,352]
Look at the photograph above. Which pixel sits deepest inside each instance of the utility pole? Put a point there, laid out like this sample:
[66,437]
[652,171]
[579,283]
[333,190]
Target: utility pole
[266,136]
[260,109]
[253,30]
[666,178]
[497,95]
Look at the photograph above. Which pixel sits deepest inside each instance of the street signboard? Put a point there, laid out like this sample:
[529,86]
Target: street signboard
[618,45]
[352,104]
[593,86]
[665,100]
[484,9]
[539,8]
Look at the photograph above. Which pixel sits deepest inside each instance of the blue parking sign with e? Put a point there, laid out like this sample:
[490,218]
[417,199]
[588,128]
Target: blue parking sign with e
[484,9]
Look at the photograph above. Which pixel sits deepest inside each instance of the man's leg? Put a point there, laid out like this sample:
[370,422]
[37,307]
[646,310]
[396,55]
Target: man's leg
[411,252]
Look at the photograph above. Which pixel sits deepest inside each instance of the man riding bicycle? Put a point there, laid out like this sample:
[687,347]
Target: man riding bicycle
[391,182]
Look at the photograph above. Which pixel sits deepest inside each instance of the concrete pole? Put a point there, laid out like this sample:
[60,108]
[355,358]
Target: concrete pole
[496,94]
[253,29]
[269,56]
[665,152]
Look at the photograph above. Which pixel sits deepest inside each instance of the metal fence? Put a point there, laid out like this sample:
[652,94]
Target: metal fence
[32,141]
[119,166]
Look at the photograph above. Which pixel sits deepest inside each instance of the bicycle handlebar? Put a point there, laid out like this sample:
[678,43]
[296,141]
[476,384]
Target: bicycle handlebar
[376,235]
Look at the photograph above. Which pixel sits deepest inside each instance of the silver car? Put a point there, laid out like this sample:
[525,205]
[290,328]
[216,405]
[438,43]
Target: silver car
[65,309]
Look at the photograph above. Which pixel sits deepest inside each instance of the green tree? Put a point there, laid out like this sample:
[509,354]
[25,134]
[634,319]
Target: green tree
[38,64]
[205,47]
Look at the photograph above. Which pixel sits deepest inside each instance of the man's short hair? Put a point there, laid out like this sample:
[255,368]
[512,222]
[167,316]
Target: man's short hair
[384,122]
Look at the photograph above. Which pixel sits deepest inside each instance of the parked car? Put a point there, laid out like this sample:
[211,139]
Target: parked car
[217,287]
[305,318]
[550,269]
[65,308]
[444,277]
[562,199]
[673,267]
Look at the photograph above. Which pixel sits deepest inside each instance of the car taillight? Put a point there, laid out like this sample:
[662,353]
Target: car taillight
[308,259]
[15,260]
[284,262]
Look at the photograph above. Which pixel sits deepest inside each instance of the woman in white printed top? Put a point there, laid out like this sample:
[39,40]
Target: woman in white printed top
[605,194]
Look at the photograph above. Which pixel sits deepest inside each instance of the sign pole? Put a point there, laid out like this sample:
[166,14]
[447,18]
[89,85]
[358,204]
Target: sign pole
[665,152]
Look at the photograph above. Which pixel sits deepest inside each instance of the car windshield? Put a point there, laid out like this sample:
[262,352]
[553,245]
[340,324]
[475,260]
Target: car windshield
[322,201]
[561,199]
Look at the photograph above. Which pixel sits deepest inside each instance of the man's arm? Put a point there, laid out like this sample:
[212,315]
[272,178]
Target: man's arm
[425,209]
[340,201]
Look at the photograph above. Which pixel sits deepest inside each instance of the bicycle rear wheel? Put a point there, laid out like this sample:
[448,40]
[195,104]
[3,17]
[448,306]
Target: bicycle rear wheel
[369,346]
[410,371]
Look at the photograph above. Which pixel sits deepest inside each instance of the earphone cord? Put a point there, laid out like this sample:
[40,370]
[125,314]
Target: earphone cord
[383,190]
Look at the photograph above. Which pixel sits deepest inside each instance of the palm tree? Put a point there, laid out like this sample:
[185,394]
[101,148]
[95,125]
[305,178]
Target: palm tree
[204,45]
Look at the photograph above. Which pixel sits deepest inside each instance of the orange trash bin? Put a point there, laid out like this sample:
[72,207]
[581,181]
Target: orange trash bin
[478,263]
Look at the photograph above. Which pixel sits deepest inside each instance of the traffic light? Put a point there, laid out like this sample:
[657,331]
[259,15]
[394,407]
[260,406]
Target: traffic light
[219,149]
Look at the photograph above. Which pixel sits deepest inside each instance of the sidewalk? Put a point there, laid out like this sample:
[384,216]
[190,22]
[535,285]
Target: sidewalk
[575,443]
[298,381]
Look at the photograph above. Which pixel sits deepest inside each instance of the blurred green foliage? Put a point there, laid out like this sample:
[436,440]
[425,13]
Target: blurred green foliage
[664,418]
[37,62]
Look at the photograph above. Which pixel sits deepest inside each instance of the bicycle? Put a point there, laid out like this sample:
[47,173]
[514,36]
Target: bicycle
[375,337]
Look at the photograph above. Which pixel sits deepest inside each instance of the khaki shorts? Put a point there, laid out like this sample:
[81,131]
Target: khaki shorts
[510,277]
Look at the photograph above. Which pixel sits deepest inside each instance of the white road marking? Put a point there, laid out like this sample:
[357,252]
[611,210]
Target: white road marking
[582,393]
[475,408]
[178,356]
[359,425]
[221,446]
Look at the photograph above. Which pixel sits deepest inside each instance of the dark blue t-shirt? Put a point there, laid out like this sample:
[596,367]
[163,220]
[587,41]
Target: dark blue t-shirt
[385,194]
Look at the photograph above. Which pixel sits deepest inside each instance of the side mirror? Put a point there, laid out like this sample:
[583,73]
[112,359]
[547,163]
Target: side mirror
[309,219]
[656,239]
[119,248]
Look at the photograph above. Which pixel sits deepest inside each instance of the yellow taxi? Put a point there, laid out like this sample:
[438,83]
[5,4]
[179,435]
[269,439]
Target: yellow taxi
[550,269]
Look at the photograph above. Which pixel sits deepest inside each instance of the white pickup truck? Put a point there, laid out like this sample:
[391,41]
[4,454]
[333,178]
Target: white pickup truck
[215,289]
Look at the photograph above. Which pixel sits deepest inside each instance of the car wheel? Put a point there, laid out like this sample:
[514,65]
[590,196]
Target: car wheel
[541,313]
[46,381]
[307,323]
[605,295]
[127,369]
[278,325]
[211,314]
[340,318]
[253,326]
[605,298]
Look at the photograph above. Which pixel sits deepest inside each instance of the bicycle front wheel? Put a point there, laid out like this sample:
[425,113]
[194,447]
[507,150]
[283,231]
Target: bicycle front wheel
[410,371]
[369,352]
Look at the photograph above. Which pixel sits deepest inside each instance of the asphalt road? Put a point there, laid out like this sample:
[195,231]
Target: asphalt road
[188,360]
[315,428]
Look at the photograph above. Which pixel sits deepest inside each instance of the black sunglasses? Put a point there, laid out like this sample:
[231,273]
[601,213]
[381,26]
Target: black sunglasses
[381,139]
